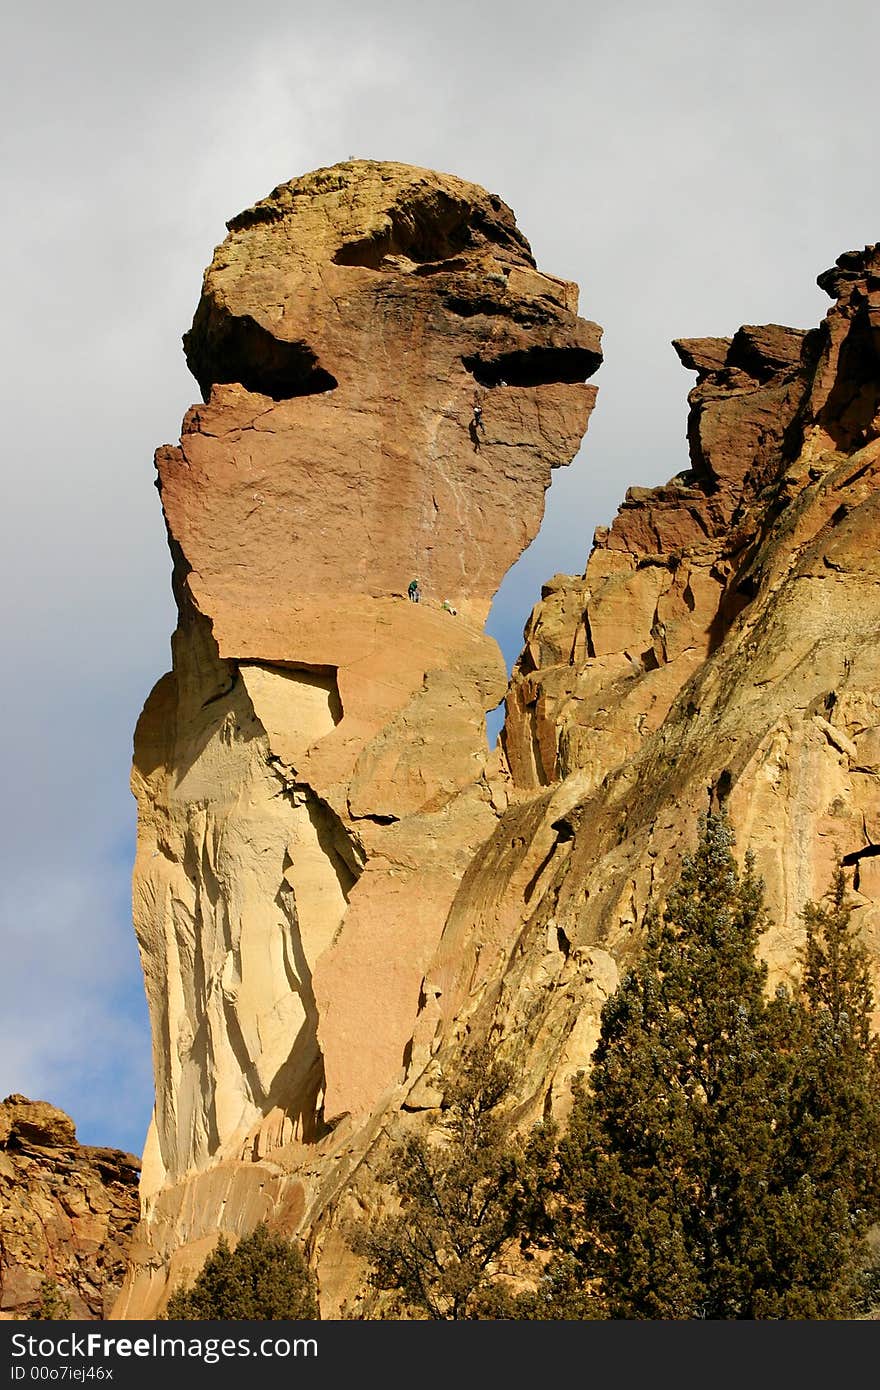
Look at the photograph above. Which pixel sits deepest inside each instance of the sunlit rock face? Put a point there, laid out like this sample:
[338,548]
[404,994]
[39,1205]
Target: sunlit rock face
[337,888]
[312,777]
[67,1212]
[722,649]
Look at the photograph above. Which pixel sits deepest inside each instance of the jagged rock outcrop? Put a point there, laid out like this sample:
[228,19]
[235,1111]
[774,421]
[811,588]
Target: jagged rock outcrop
[606,654]
[337,887]
[67,1211]
[312,778]
[721,649]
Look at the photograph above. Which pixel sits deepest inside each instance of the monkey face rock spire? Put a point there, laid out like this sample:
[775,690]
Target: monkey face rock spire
[388,381]
[348,328]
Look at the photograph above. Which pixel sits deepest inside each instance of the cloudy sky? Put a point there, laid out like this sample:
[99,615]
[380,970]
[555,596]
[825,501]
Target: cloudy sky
[692,166]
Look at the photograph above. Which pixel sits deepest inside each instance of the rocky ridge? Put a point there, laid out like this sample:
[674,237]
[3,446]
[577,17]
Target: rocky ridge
[721,649]
[337,888]
[67,1212]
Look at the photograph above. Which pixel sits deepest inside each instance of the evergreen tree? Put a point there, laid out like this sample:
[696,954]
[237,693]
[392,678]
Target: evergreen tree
[837,1122]
[264,1278]
[721,1162]
[722,1159]
[461,1205]
[830,1135]
[54,1305]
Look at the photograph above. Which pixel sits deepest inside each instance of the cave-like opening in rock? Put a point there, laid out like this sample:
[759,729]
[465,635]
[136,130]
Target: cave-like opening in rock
[537,366]
[238,349]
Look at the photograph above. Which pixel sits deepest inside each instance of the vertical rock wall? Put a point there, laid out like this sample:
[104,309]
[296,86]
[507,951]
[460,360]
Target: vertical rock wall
[721,649]
[312,777]
[337,888]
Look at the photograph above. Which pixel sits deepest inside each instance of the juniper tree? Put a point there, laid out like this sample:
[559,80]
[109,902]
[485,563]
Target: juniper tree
[265,1278]
[837,1124]
[721,1160]
[461,1205]
[829,1147]
[54,1304]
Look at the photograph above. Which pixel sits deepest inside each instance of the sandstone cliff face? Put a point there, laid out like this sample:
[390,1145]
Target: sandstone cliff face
[721,649]
[67,1212]
[606,654]
[313,778]
[336,886]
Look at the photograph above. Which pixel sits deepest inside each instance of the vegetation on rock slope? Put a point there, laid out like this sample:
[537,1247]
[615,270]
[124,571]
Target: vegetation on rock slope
[264,1278]
[722,1158]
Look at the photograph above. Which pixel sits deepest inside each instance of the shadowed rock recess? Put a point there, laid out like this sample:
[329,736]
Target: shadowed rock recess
[337,887]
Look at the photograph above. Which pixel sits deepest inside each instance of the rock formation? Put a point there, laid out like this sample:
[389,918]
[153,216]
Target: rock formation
[337,887]
[720,649]
[67,1211]
[313,777]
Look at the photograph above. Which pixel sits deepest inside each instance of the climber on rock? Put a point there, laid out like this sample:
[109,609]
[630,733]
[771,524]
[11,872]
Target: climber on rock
[476,426]
[414,593]
[448,608]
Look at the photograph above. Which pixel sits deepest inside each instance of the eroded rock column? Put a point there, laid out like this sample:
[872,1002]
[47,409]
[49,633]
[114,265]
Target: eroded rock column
[312,777]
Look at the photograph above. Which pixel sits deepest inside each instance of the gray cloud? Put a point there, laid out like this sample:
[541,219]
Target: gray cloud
[693,167]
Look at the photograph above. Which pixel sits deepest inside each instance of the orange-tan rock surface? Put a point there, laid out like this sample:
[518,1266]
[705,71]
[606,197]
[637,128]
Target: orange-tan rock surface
[67,1211]
[312,777]
[606,654]
[720,649]
[336,886]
